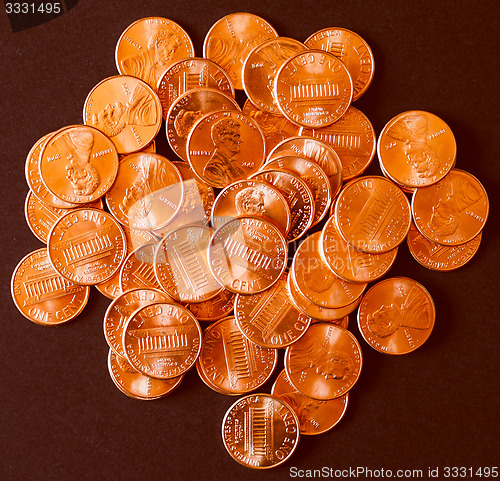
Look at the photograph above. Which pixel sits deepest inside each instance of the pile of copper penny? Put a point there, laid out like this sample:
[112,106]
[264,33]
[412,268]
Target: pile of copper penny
[264,232]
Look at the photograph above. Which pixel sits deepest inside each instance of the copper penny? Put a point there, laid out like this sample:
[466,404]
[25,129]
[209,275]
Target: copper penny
[313,175]
[372,214]
[233,363]
[208,381]
[276,128]
[261,66]
[189,74]
[317,282]
[453,211]
[126,109]
[349,263]
[78,164]
[247,255]
[325,362]
[199,197]
[42,295]
[251,198]
[416,149]
[120,310]
[225,146]
[181,264]
[135,384]
[162,340]
[145,194]
[315,151]
[260,431]
[231,39]
[314,311]
[187,109]
[315,416]
[439,257]
[352,138]
[215,308]
[41,216]
[396,315]
[34,180]
[269,318]
[138,271]
[298,196]
[149,46]
[313,88]
[86,246]
[354,52]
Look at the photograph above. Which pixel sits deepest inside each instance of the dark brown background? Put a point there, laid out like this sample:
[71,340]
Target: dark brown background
[61,417]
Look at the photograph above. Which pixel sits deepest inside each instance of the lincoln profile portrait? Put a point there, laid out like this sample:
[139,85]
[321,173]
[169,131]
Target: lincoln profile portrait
[139,110]
[222,168]
[329,364]
[76,146]
[250,201]
[151,63]
[458,195]
[412,130]
[412,312]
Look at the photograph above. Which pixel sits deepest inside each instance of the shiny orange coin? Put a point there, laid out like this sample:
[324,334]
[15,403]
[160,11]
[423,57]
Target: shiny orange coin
[137,271]
[416,149]
[251,198]
[126,109]
[120,310]
[187,109]
[86,246]
[318,313]
[315,416]
[189,74]
[325,363]
[313,89]
[316,282]
[261,66]
[298,196]
[42,295]
[276,128]
[181,264]
[269,318]
[231,39]
[34,180]
[439,257]
[225,146]
[396,315]
[148,47]
[199,198]
[247,255]
[352,50]
[352,138]
[452,211]
[372,214]
[162,340]
[349,263]
[233,363]
[135,384]
[78,164]
[146,194]
[260,431]
[313,175]
[315,151]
